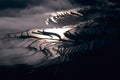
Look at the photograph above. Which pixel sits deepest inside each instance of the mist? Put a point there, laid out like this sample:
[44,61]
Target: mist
[29,14]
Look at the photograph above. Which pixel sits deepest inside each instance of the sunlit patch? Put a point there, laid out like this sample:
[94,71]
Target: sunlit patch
[61,15]
[66,12]
[53,33]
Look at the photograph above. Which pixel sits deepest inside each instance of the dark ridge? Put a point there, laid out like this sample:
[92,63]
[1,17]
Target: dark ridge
[5,4]
[87,2]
